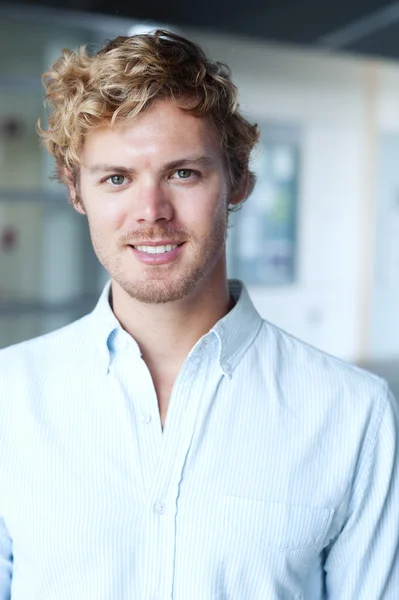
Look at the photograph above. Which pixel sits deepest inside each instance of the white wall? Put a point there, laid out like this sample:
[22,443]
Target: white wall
[334,99]
[384,335]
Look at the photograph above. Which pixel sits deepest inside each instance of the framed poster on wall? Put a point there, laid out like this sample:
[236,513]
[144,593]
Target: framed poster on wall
[262,234]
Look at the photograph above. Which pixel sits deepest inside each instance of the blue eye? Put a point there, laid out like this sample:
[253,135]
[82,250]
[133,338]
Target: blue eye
[184,173]
[117,179]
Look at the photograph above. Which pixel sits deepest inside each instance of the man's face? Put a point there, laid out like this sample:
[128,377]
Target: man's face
[156,191]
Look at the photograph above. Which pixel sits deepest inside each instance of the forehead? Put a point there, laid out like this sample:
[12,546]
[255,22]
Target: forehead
[164,128]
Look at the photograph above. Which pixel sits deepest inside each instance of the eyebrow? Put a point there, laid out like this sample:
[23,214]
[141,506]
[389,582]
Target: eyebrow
[205,160]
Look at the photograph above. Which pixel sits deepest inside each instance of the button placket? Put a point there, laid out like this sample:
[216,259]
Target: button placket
[161,526]
[185,405]
[140,399]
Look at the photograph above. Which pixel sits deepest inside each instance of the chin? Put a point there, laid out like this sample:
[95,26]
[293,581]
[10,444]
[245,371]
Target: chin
[159,292]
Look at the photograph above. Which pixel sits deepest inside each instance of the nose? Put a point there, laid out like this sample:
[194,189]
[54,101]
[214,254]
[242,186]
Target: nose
[152,203]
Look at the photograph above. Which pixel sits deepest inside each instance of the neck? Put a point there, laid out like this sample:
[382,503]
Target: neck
[167,332]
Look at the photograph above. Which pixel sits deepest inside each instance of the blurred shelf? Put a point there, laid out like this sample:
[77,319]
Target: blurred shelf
[55,198]
[81,305]
[20,83]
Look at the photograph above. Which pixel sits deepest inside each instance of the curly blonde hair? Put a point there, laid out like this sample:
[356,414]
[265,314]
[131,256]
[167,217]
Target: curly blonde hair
[124,79]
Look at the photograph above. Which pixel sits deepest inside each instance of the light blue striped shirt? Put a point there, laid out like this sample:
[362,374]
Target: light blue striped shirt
[276,476]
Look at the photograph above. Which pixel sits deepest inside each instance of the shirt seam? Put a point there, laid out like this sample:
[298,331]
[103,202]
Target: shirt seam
[365,469]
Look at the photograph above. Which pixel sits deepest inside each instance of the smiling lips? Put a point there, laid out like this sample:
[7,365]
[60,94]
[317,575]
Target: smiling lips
[156,249]
[157,254]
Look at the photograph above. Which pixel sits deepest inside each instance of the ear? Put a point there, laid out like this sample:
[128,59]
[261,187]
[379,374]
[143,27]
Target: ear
[241,192]
[73,192]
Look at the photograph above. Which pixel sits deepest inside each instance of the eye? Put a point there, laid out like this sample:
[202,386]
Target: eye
[184,173]
[117,179]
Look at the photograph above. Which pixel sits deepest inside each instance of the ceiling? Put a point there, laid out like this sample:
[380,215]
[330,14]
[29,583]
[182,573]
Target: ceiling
[362,26]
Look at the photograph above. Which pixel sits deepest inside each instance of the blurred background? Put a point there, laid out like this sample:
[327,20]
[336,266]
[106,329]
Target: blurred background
[317,243]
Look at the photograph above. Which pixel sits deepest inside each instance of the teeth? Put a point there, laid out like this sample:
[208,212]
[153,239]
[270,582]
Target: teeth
[156,249]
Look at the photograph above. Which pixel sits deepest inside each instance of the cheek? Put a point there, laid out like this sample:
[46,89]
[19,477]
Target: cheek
[206,208]
[105,217]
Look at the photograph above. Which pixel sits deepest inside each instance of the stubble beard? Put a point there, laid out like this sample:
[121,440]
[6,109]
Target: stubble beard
[167,283]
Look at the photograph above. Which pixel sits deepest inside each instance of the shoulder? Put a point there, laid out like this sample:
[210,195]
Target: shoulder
[317,373]
[42,352]
[323,397]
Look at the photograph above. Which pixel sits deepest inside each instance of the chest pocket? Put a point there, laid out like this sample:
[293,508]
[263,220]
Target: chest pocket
[267,549]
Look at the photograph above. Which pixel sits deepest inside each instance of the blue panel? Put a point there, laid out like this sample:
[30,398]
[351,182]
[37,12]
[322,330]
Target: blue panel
[262,240]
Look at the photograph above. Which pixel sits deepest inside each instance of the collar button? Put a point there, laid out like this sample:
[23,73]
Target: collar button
[226,368]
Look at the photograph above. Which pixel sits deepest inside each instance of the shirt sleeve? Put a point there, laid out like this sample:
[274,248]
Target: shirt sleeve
[363,562]
[5,563]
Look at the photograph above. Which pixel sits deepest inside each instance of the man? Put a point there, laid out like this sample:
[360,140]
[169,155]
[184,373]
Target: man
[172,444]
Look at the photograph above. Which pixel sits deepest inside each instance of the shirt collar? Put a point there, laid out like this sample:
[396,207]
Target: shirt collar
[106,332]
[235,332]
[238,329]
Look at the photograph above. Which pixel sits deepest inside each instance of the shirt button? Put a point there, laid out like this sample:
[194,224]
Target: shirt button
[227,369]
[146,419]
[121,342]
[160,508]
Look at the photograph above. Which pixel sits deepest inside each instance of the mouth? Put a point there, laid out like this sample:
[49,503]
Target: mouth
[151,253]
[156,248]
